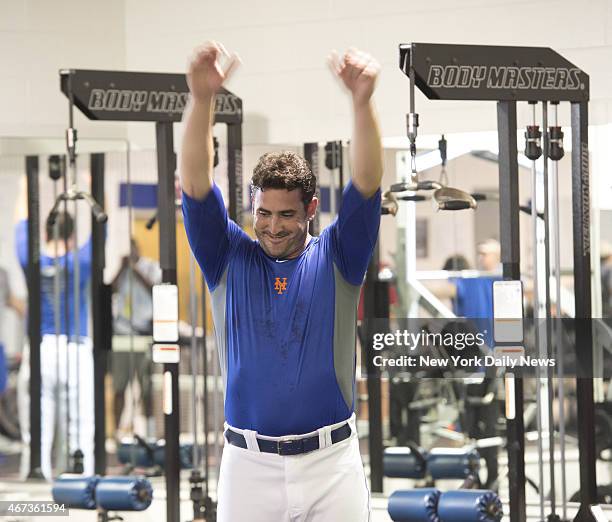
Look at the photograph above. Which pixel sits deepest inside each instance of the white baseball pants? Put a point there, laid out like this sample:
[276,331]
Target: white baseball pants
[53,364]
[325,485]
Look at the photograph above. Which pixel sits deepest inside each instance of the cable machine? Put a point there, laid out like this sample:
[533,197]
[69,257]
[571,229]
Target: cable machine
[509,75]
[160,98]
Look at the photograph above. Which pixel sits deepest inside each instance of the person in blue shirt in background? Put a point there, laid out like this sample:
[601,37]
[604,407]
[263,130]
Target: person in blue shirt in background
[472,298]
[59,351]
[285,310]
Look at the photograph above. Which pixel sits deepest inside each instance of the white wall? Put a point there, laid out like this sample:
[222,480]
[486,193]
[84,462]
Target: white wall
[289,95]
[284,81]
[39,37]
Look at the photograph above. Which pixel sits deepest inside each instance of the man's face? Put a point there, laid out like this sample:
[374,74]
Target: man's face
[281,221]
[488,260]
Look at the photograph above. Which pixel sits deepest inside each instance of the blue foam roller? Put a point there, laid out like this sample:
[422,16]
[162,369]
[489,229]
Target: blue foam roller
[470,505]
[132,452]
[414,505]
[124,493]
[401,462]
[75,492]
[452,463]
[185,455]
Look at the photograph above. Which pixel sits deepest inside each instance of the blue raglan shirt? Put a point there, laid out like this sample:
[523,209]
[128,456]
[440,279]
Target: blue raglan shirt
[474,300]
[474,296]
[285,329]
[47,270]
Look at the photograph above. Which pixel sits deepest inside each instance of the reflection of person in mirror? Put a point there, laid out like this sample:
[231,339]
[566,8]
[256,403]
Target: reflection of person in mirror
[472,297]
[132,300]
[456,263]
[66,365]
[133,315]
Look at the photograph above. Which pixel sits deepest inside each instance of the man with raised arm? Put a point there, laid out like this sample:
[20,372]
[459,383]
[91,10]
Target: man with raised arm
[284,310]
[66,376]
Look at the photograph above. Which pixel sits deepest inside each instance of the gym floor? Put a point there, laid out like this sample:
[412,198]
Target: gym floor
[12,488]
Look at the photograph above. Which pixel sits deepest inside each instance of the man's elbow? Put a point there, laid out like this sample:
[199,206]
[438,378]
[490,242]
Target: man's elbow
[367,187]
[197,190]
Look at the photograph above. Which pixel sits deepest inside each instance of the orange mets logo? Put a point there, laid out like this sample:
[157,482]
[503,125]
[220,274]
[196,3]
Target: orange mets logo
[280,285]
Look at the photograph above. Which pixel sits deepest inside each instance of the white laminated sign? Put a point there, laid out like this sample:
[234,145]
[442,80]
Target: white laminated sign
[165,313]
[508,311]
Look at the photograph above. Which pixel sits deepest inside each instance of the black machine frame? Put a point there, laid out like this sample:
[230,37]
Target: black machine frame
[101,308]
[334,159]
[34,313]
[509,75]
[129,97]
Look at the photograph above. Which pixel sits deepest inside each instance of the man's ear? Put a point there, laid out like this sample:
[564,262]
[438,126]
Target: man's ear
[311,209]
[252,192]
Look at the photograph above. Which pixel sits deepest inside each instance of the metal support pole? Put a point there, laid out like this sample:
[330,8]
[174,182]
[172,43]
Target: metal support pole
[311,155]
[510,256]
[210,507]
[166,209]
[67,318]
[553,517]
[71,138]
[234,171]
[536,318]
[195,365]
[555,234]
[77,456]
[332,160]
[205,396]
[340,172]
[196,478]
[373,308]
[57,319]
[33,275]
[582,296]
[101,315]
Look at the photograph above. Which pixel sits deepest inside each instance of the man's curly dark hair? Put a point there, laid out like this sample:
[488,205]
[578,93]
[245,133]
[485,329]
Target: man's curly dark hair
[284,170]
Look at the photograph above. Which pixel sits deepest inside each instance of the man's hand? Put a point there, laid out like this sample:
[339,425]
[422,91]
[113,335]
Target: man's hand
[358,72]
[210,66]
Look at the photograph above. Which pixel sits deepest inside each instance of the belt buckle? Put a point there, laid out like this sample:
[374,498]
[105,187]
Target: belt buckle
[290,447]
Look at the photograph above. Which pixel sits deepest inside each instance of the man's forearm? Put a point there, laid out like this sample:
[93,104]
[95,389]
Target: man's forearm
[197,151]
[366,150]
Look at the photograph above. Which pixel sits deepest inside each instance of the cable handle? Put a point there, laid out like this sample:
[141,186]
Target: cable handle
[555,149]
[533,146]
[412,120]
